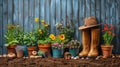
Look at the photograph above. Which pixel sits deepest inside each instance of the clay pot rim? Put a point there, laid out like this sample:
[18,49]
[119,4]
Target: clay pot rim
[44,45]
[107,46]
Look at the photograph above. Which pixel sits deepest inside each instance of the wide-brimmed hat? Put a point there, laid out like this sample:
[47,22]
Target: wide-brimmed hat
[89,22]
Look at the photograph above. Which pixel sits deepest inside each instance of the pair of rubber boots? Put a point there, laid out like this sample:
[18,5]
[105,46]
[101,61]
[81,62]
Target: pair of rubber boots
[90,42]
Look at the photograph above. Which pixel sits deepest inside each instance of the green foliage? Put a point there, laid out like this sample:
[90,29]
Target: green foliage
[29,39]
[11,35]
[68,31]
[73,44]
[108,35]
[46,41]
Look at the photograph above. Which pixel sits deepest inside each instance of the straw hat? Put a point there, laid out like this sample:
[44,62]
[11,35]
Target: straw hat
[89,22]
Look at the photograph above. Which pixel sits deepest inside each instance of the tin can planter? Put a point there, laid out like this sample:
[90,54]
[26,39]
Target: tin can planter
[73,51]
[57,53]
[19,51]
[106,51]
[30,49]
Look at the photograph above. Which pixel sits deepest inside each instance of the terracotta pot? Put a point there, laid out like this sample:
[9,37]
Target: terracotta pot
[44,47]
[30,49]
[107,51]
[11,49]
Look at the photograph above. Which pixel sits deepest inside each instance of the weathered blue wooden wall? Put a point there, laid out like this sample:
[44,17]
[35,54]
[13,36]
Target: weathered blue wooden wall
[55,11]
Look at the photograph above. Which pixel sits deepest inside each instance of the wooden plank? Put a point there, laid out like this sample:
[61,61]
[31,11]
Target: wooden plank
[5,18]
[58,13]
[53,17]
[113,22]
[10,11]
[26,21]
[16,12]
[63,11]
[98,12]
[42,9]
[103,11]
[21,22]
[31,14]
[69,10]
[88,7]
[107,5]
[1,26]
[117,5]
[37,9]
[93,7]
[75,17]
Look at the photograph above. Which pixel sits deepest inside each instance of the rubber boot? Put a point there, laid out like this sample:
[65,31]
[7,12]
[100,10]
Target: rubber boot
[85,43]
[95,36]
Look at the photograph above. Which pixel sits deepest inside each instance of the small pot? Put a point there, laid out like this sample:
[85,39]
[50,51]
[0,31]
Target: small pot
[107,51]
[44,47]
[11,49]
[31,49]
[57,53]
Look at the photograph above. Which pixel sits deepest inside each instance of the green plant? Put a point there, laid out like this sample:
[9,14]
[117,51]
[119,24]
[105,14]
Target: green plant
[73,44]
[29,39]
[11,35]
[57,41]
[108,34]
[68,31]
[46,41]
[42,32]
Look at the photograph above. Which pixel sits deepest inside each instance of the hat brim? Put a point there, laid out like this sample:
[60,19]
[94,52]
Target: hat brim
[85,27]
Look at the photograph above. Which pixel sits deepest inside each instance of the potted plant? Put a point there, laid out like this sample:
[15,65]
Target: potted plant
[108,36]
[42,35]
[11,38]
[57,45]
[73,46]
[44,45]
[29,40]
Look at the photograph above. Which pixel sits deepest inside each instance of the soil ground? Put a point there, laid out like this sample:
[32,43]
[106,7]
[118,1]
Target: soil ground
[59,62]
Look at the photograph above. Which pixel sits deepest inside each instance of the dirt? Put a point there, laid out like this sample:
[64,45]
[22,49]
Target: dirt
[58,62]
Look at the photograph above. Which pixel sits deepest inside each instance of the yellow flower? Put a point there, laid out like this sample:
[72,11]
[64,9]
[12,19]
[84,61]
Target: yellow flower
[42,21]
[62,36]
[46,25]
[52,36]
[40,31]
[37,20]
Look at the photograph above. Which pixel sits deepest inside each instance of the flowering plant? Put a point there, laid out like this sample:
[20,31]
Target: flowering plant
[42,31]
[12,34]
[57,41]
[68,31]
[73,44]
[108,34]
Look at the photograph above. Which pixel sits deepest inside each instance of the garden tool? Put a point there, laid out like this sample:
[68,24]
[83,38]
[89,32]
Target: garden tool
[85,43]
[95,36]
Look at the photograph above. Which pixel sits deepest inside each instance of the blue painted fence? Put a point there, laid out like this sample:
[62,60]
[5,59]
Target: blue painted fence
[22,12]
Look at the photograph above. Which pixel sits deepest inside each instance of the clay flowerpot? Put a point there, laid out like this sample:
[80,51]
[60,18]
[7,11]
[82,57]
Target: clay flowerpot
[11,49]
[31,49]
[44,47]
[107,51]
